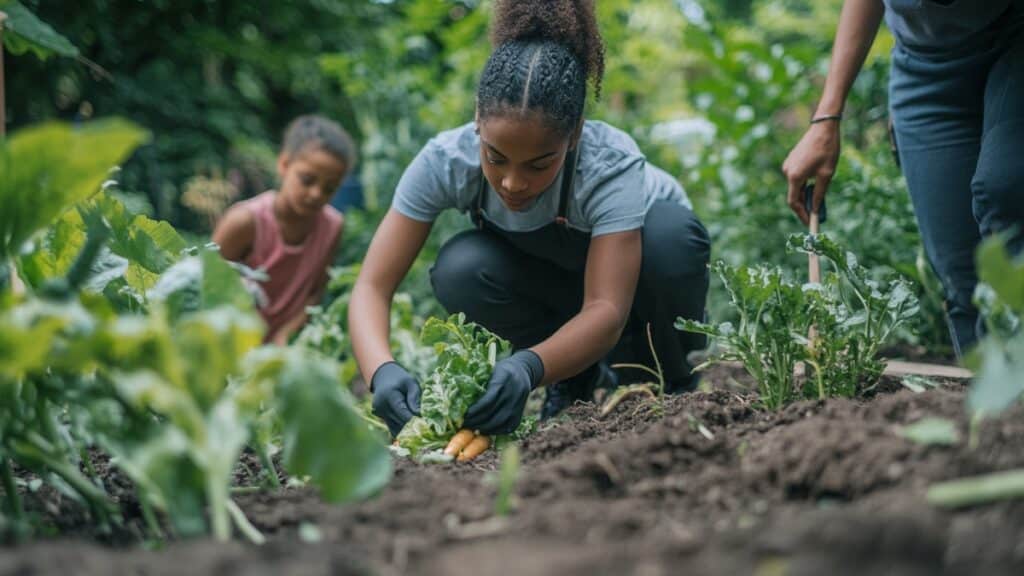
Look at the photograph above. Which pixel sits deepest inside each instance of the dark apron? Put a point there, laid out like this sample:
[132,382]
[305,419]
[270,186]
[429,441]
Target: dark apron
[555,242]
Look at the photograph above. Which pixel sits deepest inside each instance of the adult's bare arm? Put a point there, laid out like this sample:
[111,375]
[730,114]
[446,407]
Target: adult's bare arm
[817,153]
[613,267]
[392,251]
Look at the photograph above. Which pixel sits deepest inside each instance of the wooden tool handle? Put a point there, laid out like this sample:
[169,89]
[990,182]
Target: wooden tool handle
[813,265]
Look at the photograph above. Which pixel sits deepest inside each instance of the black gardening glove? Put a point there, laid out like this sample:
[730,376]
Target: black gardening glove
[396,396]
[500,409]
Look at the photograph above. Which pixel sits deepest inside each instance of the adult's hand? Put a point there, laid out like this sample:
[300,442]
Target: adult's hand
[500,409]
[814,157]
[396,396]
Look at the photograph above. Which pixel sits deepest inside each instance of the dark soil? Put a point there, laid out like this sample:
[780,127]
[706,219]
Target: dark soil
[707,484]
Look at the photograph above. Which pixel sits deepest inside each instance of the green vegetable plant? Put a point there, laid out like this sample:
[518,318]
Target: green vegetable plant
[171,388]
[852,315]
[173,396]
[465,357]
[998,361]
[999,358]
[652,390]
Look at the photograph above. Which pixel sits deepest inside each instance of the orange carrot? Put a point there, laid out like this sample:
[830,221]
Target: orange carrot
[474,449]
[461,439]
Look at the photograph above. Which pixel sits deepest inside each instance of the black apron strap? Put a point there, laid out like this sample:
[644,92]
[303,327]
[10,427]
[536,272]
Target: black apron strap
[477,214]
[568,172]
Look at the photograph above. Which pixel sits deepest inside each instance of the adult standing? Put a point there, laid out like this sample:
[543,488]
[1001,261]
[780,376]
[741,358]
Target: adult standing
[956,97]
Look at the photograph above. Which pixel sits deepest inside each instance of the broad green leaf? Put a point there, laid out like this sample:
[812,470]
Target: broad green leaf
[49,167]
[107,268]
[222,286]
[25,349]
[324,436]
[1005,276]
[929,431]
[200,282]
[212,344]
[1000,379]
[27,32]
[149,246]
[55,251]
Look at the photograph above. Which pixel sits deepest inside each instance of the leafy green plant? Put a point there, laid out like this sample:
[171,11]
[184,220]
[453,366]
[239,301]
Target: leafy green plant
[508,473]
[466,354]
[999,357]
[170,391]
[998,361]
[854,314]
[769,337]
[653,390]
[166,395]
[851,313]
[50,167]
[138,250]
[779,54]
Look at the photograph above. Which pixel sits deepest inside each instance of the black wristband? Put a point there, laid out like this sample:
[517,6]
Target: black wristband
[826,117]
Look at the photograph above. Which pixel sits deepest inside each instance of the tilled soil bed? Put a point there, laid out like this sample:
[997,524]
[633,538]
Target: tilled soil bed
[705,485]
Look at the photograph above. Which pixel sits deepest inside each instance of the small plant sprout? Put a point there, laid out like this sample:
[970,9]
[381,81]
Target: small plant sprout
[653,390]
[507,476]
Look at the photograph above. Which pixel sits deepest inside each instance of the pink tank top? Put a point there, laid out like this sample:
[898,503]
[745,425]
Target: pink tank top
[296,271]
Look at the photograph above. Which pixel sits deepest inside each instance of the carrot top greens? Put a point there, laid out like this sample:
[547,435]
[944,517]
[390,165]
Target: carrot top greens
[466,354]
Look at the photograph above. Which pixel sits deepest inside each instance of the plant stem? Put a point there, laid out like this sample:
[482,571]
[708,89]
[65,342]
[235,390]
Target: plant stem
[638,367]
[657,362]
[509,471]
[978,489]
[268,465]
[218,496]
[37,448]
[13,498]
[243,524]
[149,517]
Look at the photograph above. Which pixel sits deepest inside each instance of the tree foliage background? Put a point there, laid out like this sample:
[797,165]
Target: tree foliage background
[715,92]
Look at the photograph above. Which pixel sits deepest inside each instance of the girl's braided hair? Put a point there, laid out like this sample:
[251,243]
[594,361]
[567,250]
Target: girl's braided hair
[545,51]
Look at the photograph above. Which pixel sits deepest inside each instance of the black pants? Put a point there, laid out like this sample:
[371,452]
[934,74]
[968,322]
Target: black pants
[525,299]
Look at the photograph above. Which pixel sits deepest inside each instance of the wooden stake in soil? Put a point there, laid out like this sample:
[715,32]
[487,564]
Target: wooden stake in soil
[813,261]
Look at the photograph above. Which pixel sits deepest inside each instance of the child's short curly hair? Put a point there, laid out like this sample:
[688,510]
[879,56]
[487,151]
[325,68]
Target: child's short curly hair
[322,133]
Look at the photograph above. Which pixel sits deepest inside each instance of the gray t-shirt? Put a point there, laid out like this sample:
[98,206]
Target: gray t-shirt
[942,25]
[612,190]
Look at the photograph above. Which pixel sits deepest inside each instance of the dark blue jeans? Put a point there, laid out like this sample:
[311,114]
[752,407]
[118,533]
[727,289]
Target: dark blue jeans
[959,127]
[526,299]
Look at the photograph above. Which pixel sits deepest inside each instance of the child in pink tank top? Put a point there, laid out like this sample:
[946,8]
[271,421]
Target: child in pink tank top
[292,233]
